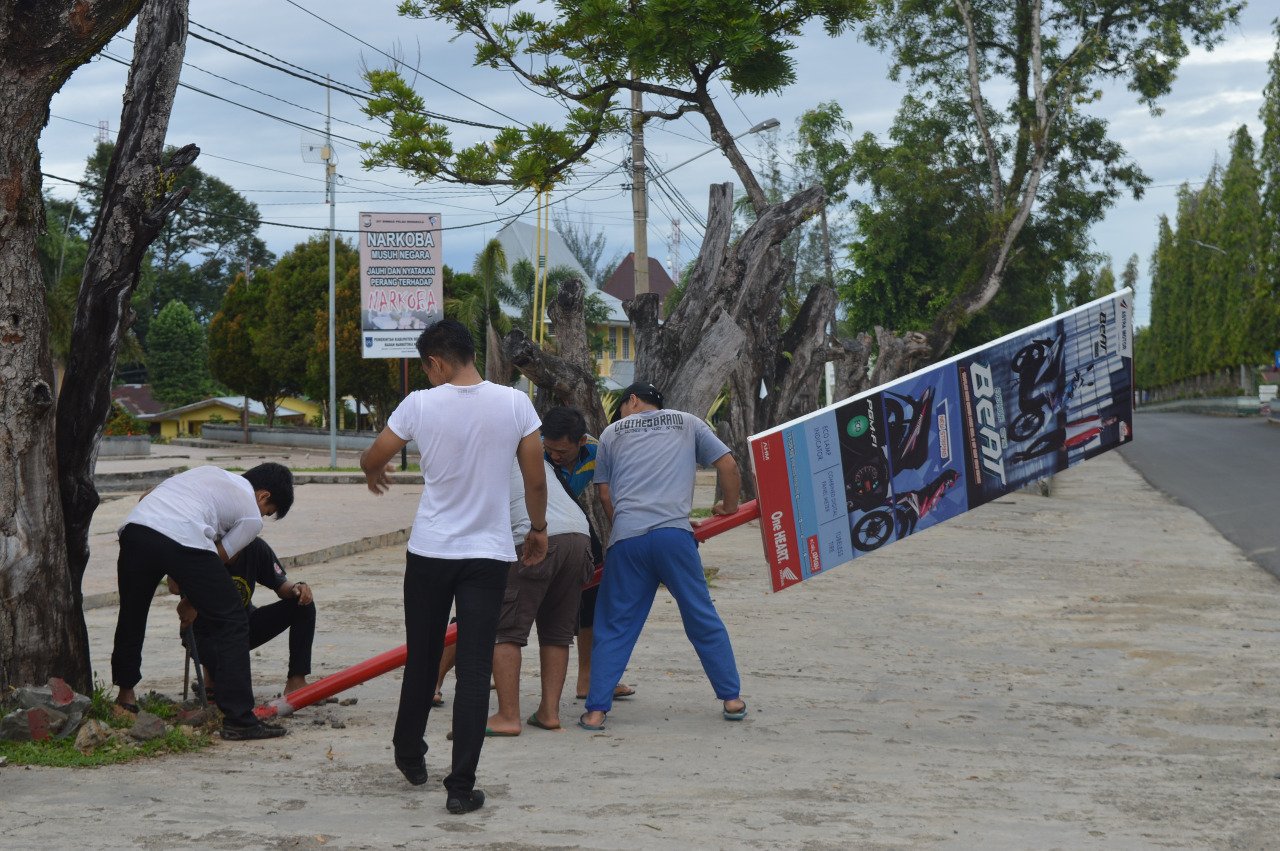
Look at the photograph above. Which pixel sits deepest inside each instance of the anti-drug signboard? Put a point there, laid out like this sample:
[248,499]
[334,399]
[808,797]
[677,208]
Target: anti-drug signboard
[401,284]
[858,475]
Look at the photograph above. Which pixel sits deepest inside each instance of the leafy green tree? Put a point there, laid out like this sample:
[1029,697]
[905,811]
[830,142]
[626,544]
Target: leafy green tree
[1129,277]
[298,292]
[63,247]
[234,355]
[205,243]
[1267,298]
[178,357]
[825,155]
[1240,256]
[1038,149]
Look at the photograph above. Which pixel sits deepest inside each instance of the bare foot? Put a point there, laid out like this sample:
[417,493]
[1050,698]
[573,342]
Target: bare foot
[294,683]
[499,726]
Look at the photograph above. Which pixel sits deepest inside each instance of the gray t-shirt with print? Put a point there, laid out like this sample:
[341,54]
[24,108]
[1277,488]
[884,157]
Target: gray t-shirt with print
[648,460]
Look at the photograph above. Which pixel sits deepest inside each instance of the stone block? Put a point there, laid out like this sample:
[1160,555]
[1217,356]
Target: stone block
[147,727]
[92,734]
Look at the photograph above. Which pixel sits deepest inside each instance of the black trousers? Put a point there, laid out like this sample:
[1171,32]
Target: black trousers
[146,557]
[265,624]
[431,587]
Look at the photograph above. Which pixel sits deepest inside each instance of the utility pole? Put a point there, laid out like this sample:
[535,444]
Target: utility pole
[330,178]
[639,200]
[673,253]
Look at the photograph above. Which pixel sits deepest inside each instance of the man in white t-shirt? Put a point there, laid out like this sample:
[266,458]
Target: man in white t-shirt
[187,528]
[467,431]
[546,593]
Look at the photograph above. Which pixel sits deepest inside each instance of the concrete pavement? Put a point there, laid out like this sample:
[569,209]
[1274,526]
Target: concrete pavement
[1098,669]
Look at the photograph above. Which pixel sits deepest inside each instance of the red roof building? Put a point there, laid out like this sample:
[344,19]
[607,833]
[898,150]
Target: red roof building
[136,399]
[622,283]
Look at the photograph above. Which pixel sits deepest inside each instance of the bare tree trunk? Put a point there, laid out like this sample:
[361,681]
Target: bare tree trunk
[41,634]
[497,366]
[136,204]
[565,377]
[727,327]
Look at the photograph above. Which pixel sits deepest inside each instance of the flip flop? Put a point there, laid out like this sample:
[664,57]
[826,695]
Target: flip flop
[595,728]
[533,721]
[736,716]
[127,707]
[619,693]
[492,733]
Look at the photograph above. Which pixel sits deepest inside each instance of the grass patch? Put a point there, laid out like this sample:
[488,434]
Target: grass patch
[700,513]
[159,705]
[62,753]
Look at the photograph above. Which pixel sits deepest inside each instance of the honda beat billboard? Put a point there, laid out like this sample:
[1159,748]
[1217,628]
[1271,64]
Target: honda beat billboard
[858,475]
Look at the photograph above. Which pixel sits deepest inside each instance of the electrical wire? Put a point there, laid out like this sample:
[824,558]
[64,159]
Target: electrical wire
[259,221]
[416,70]
[319,79]
[263,113]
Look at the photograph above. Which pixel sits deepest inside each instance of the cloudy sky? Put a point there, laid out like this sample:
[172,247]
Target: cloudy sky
[264,158]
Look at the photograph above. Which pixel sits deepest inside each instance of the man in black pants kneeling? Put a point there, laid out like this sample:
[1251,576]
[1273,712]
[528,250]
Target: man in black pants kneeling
[188,528]
[255,565]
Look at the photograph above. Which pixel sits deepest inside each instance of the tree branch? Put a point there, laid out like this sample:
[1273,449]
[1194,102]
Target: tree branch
[979,109]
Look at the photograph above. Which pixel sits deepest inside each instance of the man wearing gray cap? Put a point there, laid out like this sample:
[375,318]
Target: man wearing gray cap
[644,473]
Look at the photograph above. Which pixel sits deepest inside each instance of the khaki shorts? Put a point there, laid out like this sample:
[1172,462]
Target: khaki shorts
[546,593]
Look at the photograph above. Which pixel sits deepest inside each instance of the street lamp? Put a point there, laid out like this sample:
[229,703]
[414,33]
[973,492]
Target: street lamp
[767,124]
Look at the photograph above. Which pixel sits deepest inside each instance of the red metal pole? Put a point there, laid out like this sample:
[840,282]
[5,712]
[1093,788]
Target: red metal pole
[392,659]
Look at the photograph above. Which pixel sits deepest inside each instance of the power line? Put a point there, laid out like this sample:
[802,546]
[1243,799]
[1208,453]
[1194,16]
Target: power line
[259,91]
[406,64]
[263,113]
[317,79]
[479,191]
[259,222]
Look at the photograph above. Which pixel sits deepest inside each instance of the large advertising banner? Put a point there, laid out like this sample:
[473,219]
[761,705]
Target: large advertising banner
[401,283]
[860,474]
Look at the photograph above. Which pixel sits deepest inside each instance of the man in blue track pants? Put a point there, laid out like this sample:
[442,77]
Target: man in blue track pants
[644,472]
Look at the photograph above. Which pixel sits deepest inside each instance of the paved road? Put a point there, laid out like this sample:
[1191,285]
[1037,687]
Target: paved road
[1226,469]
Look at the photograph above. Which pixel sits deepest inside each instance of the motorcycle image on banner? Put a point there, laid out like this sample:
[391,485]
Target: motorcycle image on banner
[882,465]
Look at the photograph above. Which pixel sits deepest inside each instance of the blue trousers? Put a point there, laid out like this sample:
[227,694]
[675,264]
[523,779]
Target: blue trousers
[633,569]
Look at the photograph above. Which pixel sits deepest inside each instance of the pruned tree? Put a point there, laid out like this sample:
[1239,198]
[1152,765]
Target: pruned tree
[584,58]
[561,373]
[138,199]
[41,43]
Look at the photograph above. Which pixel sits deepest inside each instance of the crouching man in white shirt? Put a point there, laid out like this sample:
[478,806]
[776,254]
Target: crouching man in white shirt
[187,528]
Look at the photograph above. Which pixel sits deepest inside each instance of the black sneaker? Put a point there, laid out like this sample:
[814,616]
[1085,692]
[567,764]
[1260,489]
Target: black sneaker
[414,770]
[236,733]
[457,804]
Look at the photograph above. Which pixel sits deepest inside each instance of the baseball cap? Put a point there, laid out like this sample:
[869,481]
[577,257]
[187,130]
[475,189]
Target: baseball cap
[644,391]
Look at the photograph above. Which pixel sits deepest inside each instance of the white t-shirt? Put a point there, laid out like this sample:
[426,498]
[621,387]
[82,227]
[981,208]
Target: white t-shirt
[200,506]
[564,516]
[468,438]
